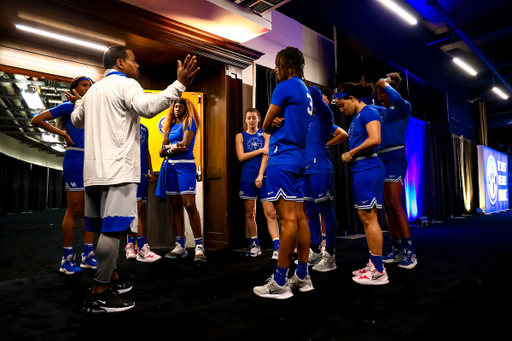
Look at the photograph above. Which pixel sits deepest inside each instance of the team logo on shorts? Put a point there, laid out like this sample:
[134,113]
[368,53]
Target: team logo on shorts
[492,185]
[73,184]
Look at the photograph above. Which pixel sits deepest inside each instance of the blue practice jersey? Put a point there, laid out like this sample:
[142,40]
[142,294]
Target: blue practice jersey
[176,135]
[144,167]
[357,132]
[318,159]
[64,110]
[288,143]
[394,120]
[252,142]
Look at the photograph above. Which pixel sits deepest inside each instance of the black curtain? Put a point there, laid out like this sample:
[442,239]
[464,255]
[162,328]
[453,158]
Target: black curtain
[266,82]
[26,187]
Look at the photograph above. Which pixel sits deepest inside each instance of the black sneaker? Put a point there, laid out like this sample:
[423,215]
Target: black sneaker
[106,302]
[120,286]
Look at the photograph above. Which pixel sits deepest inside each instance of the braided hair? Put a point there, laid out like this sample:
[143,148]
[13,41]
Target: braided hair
[291,60]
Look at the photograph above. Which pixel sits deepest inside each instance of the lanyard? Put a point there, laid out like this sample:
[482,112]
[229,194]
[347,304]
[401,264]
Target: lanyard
[116,73]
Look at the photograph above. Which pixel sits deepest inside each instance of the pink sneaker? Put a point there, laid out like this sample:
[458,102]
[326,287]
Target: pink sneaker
[146,255]
[130,251]
[372,276]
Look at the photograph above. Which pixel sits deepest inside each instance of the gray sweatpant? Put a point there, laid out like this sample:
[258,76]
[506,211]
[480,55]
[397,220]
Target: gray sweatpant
[107,251]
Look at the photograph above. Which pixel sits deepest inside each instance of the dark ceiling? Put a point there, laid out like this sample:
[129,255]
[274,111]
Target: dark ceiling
[427,49]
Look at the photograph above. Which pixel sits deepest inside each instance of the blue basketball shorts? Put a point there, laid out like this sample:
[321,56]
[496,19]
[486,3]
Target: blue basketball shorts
[395,170]
[73,167]
[181,177]
[249,191]
[318,187]
[142,191]
[285,182]
[368,183]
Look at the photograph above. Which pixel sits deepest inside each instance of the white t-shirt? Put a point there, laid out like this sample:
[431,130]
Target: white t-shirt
[110,114]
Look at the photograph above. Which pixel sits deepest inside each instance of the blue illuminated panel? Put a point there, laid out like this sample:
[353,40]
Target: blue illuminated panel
[415,137]
[492,180]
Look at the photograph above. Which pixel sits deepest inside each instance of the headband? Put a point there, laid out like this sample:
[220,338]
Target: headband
[83,79]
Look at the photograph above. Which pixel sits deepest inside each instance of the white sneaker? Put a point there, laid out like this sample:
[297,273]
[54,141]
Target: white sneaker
[275,254]
[146,255]
[304,285]
[362,271]
[178,252]
[130,251]
[255,251]
[372,277]
[199,257]
[273,290]
[314,258]
[327,263]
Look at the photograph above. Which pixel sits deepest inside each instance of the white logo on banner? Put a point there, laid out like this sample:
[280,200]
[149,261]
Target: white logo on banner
[492,184]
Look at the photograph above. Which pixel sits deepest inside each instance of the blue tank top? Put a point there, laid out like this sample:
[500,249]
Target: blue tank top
[288,143]
[251,168]
[64,110]
[318,159]
[144,167]
[357,132]
[176,135]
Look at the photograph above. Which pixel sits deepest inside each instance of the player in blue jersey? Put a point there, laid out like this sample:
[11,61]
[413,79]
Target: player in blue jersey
[143,253]
[252,150]
[180,128]
[73,175]
[290,114]
[318,183]
[395,113]
[367,174]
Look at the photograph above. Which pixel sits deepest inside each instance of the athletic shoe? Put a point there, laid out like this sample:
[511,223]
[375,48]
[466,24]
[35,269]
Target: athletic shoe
[304,285]
[409,260]
[89,261]
[394,256]
[199,257]
[120,286]
[106,302]
[178,252]
[130,251]
[327,263]
[68,265]
[146,255]
[275,254]
[255,251]
[273,290]
[362,271]
[372,277]
[314,258]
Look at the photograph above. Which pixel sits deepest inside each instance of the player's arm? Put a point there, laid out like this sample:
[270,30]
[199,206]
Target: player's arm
[272,114]
[152,176]
[40,121]
[243,156]
[340,135]
[373,141]
[264,160]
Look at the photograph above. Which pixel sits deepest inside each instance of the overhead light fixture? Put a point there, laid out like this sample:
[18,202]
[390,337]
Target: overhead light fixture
[403,14]
[58,148]
[62,37]
[500,93]
[465,66]
[31,97]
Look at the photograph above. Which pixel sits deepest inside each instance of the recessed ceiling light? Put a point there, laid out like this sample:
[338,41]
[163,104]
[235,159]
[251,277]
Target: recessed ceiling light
[500,93]
[465,66]
[403,14]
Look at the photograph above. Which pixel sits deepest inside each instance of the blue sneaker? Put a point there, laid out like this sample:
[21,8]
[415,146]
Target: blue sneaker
[409,260]
[89,261]
[394,256]
[68,265]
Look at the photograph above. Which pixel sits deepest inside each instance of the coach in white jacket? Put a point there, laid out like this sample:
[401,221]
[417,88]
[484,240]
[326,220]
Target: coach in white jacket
[110,116]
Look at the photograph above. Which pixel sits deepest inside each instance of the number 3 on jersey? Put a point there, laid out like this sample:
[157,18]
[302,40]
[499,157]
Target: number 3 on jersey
[310,108]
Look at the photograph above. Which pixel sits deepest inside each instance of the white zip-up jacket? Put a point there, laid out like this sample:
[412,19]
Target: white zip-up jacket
[110,114]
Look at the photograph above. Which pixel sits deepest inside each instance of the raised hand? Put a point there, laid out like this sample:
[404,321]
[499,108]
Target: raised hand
[73,97]
[187,71]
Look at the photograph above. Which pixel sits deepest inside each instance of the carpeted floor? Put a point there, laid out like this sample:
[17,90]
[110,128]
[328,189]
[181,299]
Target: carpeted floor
[458,291]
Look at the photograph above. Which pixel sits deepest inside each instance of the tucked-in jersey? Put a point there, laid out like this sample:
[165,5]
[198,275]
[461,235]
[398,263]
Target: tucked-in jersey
[64,110]
[318,159]
[252,142]
[176,135]
[144,167]
[394,120]
[357,132]
[288,143]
